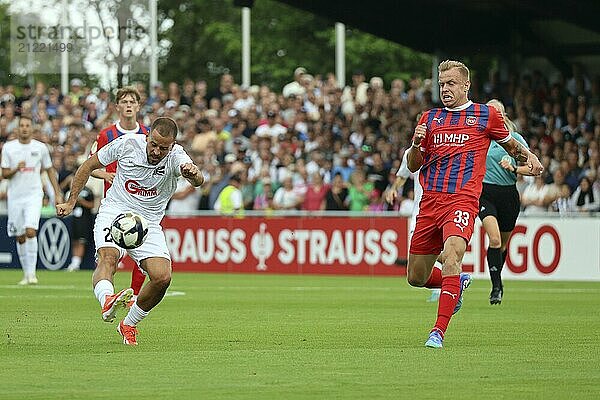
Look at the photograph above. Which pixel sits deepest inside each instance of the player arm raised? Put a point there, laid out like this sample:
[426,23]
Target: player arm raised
[415,157]
[192,173]
[79,180]
[523,155]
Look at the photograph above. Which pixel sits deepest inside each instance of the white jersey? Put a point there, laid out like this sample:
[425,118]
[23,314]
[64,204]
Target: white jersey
[27,182]
[405,173]
[139,186]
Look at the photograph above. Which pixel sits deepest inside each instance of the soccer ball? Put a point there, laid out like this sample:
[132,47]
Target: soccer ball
[129,230]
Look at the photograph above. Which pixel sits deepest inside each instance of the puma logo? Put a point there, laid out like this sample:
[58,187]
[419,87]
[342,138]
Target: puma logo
[462,228]
[453,295]
[439,120]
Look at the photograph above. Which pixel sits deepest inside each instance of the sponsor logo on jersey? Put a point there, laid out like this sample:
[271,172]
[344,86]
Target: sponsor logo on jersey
[455,139]
[133,187]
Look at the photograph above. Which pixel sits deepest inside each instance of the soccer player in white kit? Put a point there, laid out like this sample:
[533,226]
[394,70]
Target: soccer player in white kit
[402,175]
[146,178]
[23,160]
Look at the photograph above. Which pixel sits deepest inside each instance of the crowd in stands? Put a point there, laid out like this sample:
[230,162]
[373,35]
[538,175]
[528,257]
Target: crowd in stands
[313,145]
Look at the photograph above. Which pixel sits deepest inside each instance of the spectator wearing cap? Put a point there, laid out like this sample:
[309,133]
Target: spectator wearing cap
[170,108]
[76,90]
[296,87]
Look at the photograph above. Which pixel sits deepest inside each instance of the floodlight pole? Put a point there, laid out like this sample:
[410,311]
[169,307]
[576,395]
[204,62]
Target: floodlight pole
[246,46]
[64,56]
[340,53]
[153,43]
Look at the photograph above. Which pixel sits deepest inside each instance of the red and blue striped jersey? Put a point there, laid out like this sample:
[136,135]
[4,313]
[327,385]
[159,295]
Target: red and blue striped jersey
[109,134]
[455,147]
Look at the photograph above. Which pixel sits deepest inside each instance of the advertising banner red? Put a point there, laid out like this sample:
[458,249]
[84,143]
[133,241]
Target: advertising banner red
[290,244]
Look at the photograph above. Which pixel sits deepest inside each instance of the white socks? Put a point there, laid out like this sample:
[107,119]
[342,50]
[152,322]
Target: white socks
[28,255]
[102,289]
[21,251]
[31,251]
[135,315]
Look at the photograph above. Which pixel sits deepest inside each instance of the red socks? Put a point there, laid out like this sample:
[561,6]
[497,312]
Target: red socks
[448,299]
[435,279]
[137,280]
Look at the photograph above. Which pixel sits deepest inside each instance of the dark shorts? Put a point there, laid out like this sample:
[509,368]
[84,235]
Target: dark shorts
[83,228]
[502,203]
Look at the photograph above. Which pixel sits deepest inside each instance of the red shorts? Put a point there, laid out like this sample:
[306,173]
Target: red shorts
[442,215]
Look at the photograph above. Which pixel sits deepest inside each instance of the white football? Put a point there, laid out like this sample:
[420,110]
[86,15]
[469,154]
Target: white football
[129,230]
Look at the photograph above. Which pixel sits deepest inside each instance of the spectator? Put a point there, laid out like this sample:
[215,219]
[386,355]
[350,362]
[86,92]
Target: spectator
[285,197]
[335,200]
[314,199]
[230,201]
[359,192]
[586,198]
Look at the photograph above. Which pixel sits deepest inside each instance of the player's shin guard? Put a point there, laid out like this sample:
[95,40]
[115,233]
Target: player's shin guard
[448,299]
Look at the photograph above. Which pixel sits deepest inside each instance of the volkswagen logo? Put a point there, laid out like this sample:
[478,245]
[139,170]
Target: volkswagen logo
[54,244]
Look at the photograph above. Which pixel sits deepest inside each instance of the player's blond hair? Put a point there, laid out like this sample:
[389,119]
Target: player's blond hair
[497,104]
[128,90]
[449,64]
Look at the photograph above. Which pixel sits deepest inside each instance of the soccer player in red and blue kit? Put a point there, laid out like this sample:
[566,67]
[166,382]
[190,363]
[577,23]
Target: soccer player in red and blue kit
[450,145]
[128,105]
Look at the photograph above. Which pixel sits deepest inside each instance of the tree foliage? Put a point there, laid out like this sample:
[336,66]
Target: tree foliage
[205,42]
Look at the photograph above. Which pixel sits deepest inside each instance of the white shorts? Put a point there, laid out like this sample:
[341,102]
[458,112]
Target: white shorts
[23,214]
[154,246]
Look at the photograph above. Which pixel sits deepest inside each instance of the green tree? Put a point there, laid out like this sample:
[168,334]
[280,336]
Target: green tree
[205,41]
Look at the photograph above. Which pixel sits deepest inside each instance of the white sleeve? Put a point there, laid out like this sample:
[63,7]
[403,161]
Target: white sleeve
[111,152]
[180,158]
[46,160]
[403,171]
[5,158]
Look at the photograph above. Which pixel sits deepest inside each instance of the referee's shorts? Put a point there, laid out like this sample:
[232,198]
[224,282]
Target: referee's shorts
[501,202]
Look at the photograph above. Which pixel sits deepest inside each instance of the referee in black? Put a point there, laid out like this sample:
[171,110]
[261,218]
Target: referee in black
[499,204]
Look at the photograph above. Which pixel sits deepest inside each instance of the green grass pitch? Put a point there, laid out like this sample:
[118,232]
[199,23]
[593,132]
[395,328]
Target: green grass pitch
[238,336]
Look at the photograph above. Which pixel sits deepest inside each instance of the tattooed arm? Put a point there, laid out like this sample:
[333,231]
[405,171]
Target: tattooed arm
[523,155]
